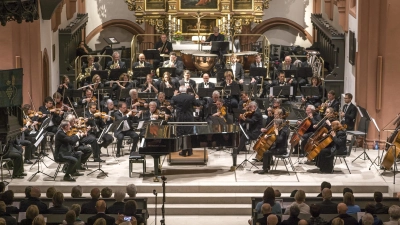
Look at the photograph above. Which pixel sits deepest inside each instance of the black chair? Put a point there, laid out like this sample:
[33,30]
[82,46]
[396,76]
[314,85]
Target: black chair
[135,157]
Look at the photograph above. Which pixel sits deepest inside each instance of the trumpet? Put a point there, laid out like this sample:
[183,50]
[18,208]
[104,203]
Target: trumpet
[323,106]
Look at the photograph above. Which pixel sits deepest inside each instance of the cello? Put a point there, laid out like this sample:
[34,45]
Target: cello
[300,131]
[265,141]
[323,143]
[392,150]
[318,134]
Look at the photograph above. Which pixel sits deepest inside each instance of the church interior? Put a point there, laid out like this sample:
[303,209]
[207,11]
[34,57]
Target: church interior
[205,163]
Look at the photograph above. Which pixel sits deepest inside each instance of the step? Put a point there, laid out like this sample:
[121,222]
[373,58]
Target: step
[202,209]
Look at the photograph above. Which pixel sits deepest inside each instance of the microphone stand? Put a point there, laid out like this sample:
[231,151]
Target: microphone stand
[155,219]
[162,221]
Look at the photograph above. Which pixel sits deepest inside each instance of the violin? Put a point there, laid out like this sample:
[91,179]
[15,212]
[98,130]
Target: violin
[247,114]
[101,115]
[32,113]
[141,101]
[56,110]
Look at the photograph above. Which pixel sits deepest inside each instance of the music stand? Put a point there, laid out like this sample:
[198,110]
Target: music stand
[71,94]
[40,158]
[140,72]
[245,154]
[102,73]
[300,114]
[304,72]
[379,149]
[258,71]
[115,73]
[170,70]
[151,54]
[234,89]
[310,91]
[205,92]
[362,131]
[147,95]
[219,46]
[281,90]
[237,112]
[169,92]
[123,93]
[290,73]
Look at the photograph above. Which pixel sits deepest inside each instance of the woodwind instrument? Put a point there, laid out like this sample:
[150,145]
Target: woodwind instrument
[162,50]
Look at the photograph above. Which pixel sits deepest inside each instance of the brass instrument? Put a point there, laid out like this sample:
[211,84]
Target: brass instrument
[86,74]
[323,106]
[162,50]
[222,112]
[115,65]
[315,62]
[78,66]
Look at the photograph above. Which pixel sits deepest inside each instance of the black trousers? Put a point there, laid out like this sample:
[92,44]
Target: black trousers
[304,140]
[241,147]
[73,160]
[91,140]
[325,160]
[15,154]
[267,156]
[107,140]
[86,152]
[120,138]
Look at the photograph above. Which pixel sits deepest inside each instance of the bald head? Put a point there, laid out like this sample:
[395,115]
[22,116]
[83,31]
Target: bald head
[272,219]
[326,194]
[101,206]
[302,222]
[342,208]
[266,208]
[35,192]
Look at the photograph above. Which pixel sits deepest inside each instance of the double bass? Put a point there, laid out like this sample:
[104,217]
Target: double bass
[392,150]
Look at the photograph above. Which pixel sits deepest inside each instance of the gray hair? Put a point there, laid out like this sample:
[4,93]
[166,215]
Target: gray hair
[394,212]
[70,117]
[153,103]
[253,103]
[216,93]
[132,90]
[119,196]
[131,190]
[115,53]
[109,101]
[367,219]
[312,107]
[182,89]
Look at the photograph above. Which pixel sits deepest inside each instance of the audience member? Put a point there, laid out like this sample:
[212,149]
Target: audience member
[324,184]
[327,206]
[347,219]
[100,221]
[299,198]
[348,199]
[368,219]
[31,213]
[6,216]
[77,210]
[269,197]
[28,191]
[90,207]
[101,213]
[394,213]
[293,216]
[293,193]
[337,221]
[303,222]
[370,209]
[266,211]
[76,192]
[58,208]
[379,207]
[130,210]
[8,198]
[33,200]
[123,220]
[39,220]
[119,204]
[2,187]
[315,218]
[272,219]
[50,192]
[2,221]
[277,193]
[346,189]
[70,218]
[131,190]
[106,192]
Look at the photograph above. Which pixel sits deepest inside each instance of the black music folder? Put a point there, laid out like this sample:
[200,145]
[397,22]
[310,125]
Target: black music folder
[290,73]
[281,90]
[219,46]
[151,54]
[115,73]
[205,92]
[170,70]
[304,72]
[310,91]
[258,72]
[140,72]
[102,73]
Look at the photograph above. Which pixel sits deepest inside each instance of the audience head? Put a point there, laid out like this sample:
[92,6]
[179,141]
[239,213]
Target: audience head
[2,221]
[277,193]
[28,191]
[269,196]
[315,210]
[100,221]
[327,194]
[346,189]
[58,198]
[303,222]
[394,212]
[2,206]
[325,184]
[35,192]
[76,192]
[95,193]
[8,197]
[342,208]
[2,187]
[106,192]
[294,211]
[70,217]
[266,208]
[348,198]
[370,208]
[119,196]
[50,192]
[76,208]
[293,193]
[300,196]
[39,220]
[101,206]
[272,219]
[337,221]
[31,212]
[378,197]
[130,208]
[367,219]
[131,190]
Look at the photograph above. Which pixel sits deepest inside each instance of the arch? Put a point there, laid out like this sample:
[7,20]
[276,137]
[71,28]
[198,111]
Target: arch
[45,74]
[273,22]
[127,25]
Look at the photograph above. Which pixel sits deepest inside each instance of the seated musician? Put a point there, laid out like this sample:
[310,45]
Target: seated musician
[49,111]
[165,47]
[29,129]
[167,82]
[232,100]
[254,119]
[331,101]
[315,118]
[270,111]
[97,124]
[88,98]
[109,110]
[276,114]
[187,82]
[337,146]
[121,83]
[349,112]
[65,85]
[287,65]
[14,153]
[244,101]
[217,117]
[64,152]
[116,63]
[257,80]
[59,104]
[173,62]
[279,147]
[237,69]
[162,104]
[126,128]
[281,81]
[134,102]
[154,114]
[313,100]
[96,83]
[86,139]
[206,83]
[142,62]
[87,68]
[149,85]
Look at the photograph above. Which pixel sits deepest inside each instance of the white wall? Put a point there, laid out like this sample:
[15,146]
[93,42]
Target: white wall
[285,35]
[123,36]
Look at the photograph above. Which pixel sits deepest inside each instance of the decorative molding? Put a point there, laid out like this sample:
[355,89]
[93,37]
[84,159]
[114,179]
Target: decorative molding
[329,8]
[71,8]
[353,8]
[56,18]
[343,13]
[317,6]
[18,10]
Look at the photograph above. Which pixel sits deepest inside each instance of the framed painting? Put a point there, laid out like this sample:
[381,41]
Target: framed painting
[189,26]
[352,48]
[196,5]
[242,5]
[155,5]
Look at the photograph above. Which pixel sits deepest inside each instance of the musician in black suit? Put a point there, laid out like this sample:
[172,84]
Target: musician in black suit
[87,68]
[349,112]
[126,128]
[183,104]
[65,85]
[187,82]
[122,83]
[216,36]
[255,125]
[206,83]
[287,65]
[101,213]
[280,145]
[14,152]
[237,69]
[64,150]
[116,63]
[337,146]
[231,100]
[109,110]
[257,79]
[48,110]
[173,62]
[88,98]
[331,101]
[142,62]
[315,118]
[282,81]
[164,46]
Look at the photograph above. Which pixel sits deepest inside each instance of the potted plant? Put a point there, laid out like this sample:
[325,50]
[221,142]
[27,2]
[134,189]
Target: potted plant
[178,37]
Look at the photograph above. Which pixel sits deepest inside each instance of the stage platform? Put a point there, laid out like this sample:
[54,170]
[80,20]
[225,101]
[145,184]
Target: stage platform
[197,191]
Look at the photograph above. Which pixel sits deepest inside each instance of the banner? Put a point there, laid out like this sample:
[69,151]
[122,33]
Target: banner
[11,87]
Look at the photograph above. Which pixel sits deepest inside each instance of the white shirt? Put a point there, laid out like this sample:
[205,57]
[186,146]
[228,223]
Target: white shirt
[126,124]
[233,67]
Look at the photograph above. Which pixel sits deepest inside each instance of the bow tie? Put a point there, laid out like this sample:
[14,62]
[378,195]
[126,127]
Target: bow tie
[186,82]
[205,83]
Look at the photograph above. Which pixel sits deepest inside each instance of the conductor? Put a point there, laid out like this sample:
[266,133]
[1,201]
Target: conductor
[183,104]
